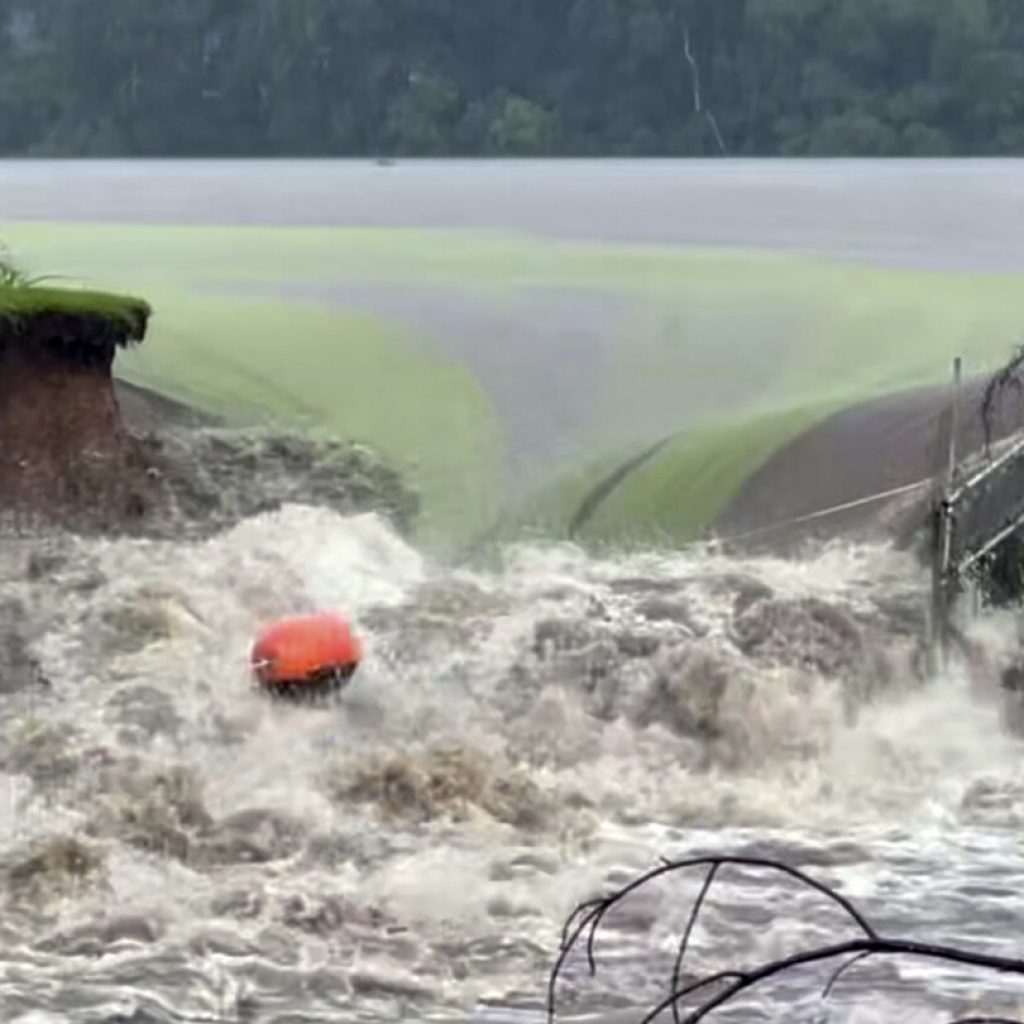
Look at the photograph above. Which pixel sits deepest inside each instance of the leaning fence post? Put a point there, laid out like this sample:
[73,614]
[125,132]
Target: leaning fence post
[945,515]
[954,424]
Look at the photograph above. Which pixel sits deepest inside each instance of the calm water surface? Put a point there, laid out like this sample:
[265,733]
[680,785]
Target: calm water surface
[949,213]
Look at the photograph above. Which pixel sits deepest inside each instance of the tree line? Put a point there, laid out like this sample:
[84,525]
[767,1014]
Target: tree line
[511,77]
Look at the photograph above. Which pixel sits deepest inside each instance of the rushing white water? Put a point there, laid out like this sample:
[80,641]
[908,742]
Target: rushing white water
[174,847]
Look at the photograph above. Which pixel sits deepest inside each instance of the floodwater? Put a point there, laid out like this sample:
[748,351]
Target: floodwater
[924,213]
[173,848]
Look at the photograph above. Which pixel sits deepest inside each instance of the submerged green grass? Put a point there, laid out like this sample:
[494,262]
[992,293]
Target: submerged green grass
[672,498]
[735,352]
[343,375]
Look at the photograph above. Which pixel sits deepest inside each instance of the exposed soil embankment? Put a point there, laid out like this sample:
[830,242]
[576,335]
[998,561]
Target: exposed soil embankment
[64,454]
[868,449]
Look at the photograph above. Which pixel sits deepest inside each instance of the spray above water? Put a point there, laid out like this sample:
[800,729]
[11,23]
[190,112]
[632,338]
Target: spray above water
[510,738]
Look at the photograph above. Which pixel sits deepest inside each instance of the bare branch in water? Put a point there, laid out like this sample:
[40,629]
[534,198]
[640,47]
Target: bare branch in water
[840,971]
[985,1020]
[728,985]
[677,968]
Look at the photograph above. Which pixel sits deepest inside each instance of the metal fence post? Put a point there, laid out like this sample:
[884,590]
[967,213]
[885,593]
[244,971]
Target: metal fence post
[945,515]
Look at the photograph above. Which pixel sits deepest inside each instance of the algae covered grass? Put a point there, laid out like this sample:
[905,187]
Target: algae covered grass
[729,353]
[333,374]
[673,495]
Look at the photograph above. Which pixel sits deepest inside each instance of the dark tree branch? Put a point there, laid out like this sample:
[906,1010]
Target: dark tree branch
[1008,377]
[985,1020]
[840,971]
[589,915]
[864,947]
[677,968]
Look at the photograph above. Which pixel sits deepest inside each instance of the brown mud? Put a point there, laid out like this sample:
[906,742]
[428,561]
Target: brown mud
[869,449]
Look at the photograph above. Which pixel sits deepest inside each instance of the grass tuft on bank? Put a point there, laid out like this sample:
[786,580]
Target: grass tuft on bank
[23,297]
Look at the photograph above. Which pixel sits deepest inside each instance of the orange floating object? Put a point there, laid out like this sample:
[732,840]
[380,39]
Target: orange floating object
[306,655]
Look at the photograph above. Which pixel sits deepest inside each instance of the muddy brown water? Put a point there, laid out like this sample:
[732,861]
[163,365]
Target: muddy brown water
[173,848]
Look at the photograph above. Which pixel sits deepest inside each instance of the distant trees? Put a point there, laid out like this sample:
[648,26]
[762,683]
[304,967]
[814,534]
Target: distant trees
[518,77]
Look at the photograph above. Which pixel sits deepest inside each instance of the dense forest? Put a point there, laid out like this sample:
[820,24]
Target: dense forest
[517,77]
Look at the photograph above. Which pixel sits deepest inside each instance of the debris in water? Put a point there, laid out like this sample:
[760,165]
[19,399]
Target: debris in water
[445,782]
[50,869]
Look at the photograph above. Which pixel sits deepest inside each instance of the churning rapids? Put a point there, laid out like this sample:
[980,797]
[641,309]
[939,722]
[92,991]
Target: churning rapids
[175,848]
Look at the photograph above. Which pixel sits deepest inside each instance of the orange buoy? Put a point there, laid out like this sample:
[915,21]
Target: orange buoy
[306,655]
